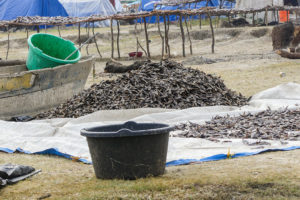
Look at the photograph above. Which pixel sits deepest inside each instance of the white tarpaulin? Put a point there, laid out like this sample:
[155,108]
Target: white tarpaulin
[64,134]
[87,8]
[241,4]
[257,4]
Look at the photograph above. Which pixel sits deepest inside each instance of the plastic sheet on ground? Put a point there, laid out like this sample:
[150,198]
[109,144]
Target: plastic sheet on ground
[62,136]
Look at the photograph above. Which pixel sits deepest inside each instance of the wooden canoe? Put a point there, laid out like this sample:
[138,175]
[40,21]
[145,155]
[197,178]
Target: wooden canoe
[24,92]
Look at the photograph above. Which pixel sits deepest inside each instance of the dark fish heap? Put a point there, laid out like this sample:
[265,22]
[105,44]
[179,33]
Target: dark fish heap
[154,85]
[270,125]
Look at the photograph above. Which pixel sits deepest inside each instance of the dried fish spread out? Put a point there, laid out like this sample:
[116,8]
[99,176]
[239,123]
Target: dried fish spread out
[154,85]
[270,125]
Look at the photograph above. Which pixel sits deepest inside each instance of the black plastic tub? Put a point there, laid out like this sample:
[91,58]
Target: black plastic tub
[128,151]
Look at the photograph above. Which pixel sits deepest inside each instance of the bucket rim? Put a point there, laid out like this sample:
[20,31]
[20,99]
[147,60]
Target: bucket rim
[40,52]
[126,132]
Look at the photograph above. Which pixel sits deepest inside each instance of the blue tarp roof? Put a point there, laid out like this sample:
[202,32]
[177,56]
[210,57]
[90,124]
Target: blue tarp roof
[148,5]
[11,9]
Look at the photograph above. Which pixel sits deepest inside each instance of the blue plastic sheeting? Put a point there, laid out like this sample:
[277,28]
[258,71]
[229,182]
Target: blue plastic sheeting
[224,156]
[148,5]
[56,152]
[11,9]
[52,151]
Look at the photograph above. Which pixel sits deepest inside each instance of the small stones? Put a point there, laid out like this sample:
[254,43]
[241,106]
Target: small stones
[267,125]
[153,85]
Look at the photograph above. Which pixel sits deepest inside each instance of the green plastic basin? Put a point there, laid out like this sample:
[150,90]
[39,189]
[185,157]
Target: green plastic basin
[48,51]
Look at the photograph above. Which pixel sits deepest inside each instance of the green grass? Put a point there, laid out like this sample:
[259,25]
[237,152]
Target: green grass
[250,81]
[272,175]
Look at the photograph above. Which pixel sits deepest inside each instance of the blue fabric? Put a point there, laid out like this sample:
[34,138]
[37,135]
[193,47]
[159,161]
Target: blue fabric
[56,152]
[148,5]
[11,9]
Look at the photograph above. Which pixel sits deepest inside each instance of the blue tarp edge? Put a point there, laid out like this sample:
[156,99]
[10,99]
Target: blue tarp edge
[56,152]
[225,156]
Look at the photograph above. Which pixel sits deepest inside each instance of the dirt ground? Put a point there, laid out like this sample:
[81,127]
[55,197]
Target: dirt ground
[243,59]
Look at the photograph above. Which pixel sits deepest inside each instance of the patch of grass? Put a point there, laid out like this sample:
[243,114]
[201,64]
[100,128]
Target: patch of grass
[250,81]
[272,175]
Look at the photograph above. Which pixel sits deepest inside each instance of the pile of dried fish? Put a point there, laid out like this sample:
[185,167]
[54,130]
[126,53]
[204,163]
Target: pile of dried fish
[156,85]
[270,125]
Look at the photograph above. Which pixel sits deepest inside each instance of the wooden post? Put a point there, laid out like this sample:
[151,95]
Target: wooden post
[188,32]
[212,34]
[79,39]
[27,34]
[95,40]
[7,28]
[168,45]
[190,19]
[253,19]
[166,36]
[88,36]
[147,39]
[266,15]
[137,39]
[112,38]
[58,31]
[278,19]
[200,21]
[182,35]
[138,43]
[161,36]
[118,39]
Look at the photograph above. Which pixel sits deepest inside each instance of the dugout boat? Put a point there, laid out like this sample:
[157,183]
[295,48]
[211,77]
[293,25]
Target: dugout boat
[28,92]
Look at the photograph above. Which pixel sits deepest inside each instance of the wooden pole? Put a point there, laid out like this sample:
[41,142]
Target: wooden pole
[58,31]
[212,34]
[188,32]
[118,39]
[95,40]
[161,36]
[166,36]
[112,38]
[182,35]
[266,15]
[88,35]
[190,17]
[165,26]
[137,39]
[200,21]
[138,44]
[146,35]
[253,19]
[168,45]
[79,39]
[7,28]
[27,34]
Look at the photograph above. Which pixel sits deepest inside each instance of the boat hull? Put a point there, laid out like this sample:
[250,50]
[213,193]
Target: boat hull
[31,92]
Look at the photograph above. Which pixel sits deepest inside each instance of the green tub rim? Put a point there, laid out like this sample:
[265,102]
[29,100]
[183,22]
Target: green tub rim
[40,52]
